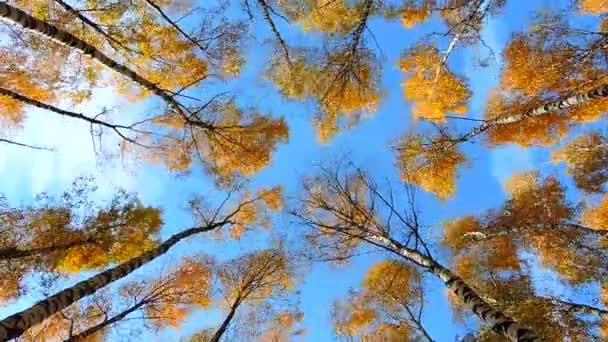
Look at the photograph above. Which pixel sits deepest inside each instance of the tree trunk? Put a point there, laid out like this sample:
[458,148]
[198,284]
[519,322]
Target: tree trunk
[498,321]
[23,19]
[106,323]
[547,108]
[218,334]
[13,326]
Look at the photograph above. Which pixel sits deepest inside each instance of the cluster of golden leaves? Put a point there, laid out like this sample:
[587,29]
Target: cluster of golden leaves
[596,217]
[256,276]
[232,63]
[132,237]
[454,231]
[243,144]
[413,15]
[537,201]
[253,210]
[370,314]
[236,143]
[586,158]
[432,167]
[342,95]
[391,280]
[330,16]
[173,297]
[17,76]
[431,86]
[282,326]
[531,69]
[594,6]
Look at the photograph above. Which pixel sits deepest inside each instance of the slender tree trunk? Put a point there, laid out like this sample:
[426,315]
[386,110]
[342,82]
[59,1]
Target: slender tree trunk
[547,108]
[498,321]
[24,20]
[14,326]
[106,323]
[218,334]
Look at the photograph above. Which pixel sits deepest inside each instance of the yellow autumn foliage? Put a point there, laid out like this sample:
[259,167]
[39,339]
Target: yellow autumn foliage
[454,231]
[346,90]
[232,63]
[433,89]
[586,158]
[521,183]
[246,216]
[412,16]
[330,16]
[594,6]
[358,318]
[175,296]
[431,167]
[391,279]
[596,217]
[533,70]
[17,78]
[273,198]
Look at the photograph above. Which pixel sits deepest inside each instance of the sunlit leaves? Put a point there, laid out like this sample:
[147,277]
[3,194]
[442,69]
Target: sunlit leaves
[434,90]
[594,6]
[256,276]
[51,237]
[232,63]
[17,76]
[282,326]
[273,198]
[172,297]
[457,233]
[413,15]
[345,86]
[381,310]
[230,141]
[134,232]
[531,69]
[596,216]
[586,158]
[331,16]
[244,145]
[392,281]
[537,201]
[430,165]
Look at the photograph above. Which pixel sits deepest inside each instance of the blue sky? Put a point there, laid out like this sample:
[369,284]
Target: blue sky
[26,173]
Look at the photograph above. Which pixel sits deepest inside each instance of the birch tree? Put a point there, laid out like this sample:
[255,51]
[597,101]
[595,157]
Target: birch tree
[241,216]
[344,211]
